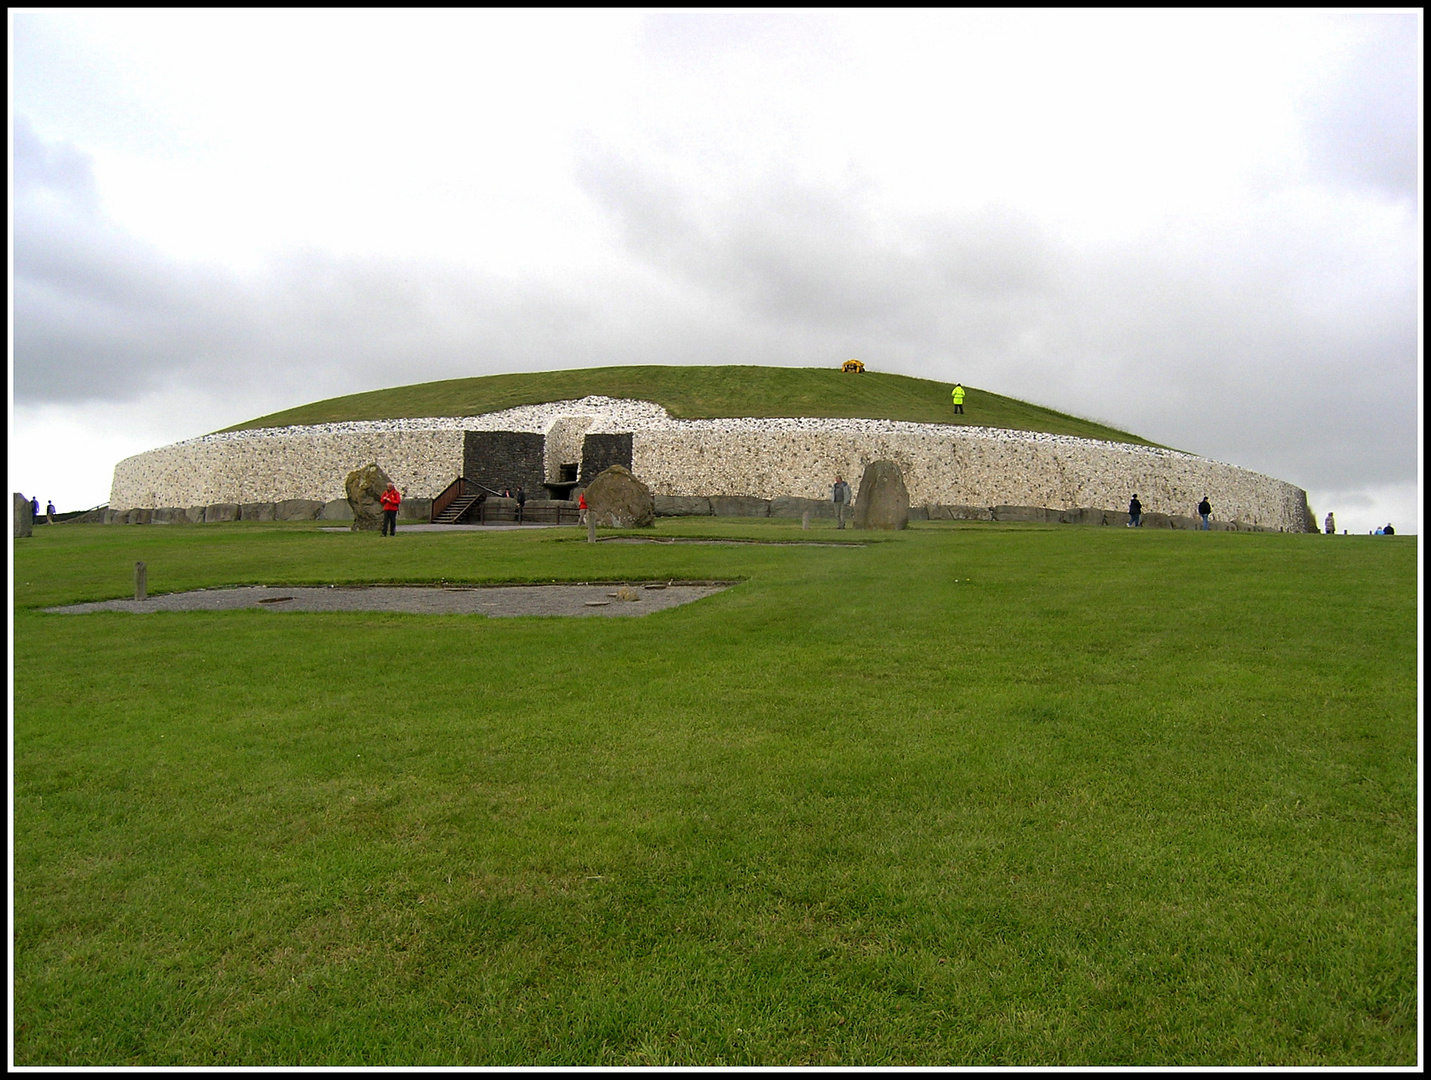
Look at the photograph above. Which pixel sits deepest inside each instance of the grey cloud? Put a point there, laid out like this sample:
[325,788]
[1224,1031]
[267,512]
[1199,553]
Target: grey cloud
[1277,347]
[101,316]
[812,261]
[1363,121]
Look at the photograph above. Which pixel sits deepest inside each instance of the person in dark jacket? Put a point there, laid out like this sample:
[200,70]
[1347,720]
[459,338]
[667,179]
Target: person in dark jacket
[1204,510]
[1388,531]
[521,502]
[840,493]
[1135,513]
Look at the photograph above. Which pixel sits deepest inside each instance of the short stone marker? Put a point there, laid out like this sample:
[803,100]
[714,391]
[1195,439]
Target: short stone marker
[141,581]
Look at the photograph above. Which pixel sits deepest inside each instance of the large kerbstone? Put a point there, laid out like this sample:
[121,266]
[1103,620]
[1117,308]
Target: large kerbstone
[256,511]
[421,509]
[297,510]
[793,506]
[336,510]
[682,505]
[1036,514]
[24,517]
[739,506]
[883,501]
[959,512]
[140,515]
[617,500]
[221,512]
[364,488]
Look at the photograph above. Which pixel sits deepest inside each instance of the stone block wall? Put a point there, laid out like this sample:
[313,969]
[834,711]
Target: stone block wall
[503,459]
[601,451]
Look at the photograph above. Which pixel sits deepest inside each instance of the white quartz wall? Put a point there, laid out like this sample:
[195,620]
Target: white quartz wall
[946,464]
[285,464]
[957,466]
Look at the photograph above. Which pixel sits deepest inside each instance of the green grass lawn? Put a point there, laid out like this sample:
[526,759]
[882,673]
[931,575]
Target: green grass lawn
[696,392]
[972,794]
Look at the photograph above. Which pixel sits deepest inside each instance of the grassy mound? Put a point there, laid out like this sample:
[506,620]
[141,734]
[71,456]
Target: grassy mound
[699,393]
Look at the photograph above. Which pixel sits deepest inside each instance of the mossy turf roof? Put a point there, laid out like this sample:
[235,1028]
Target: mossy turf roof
[699,393]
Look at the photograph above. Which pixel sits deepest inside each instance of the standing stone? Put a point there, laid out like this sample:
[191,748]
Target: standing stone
[24,517]
[617,500]
[883,501]
[364,488]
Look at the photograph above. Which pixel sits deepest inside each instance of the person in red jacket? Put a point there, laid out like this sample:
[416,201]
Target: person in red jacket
[390,500]
[581,508]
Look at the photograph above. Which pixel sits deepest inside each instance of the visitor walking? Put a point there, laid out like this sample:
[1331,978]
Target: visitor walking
[521,502]
[841,496]
[390,499]
[1135,513]
[1331,525]
[35,508]
[581,509]
[1204,510]
[50,511]
[958,395]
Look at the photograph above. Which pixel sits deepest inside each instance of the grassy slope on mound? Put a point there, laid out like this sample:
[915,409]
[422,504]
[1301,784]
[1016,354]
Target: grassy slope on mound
[696,393]
[968,795]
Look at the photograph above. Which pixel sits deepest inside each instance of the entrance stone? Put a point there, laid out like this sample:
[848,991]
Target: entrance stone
[617,500]
[364,488]
[883,501]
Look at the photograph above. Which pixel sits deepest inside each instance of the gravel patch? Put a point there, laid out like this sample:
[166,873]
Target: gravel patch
[633,598]
[699,540]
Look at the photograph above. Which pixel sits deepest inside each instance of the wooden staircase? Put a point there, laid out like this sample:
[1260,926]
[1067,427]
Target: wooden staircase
[455,509]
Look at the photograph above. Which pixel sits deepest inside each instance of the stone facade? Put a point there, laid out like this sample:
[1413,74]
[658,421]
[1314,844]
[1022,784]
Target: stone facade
[950,472]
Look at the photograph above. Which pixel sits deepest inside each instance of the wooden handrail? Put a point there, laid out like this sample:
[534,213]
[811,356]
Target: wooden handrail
[451,492]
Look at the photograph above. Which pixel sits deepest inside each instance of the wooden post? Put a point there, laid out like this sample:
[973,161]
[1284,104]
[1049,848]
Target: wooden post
[805,521]
[141,581]
[590,527]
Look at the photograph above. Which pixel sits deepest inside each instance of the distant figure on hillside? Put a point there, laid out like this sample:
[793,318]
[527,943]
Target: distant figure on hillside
[1331,524]
[34,508]
[958,395]
[1388,531]
[840,493]
[50,511]
[390,499]
[1204,510]
[1135,513]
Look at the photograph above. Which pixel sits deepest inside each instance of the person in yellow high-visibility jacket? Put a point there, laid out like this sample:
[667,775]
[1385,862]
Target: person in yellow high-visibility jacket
[959,397]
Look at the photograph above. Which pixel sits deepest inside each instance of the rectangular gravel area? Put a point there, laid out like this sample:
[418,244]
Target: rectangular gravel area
[495,600]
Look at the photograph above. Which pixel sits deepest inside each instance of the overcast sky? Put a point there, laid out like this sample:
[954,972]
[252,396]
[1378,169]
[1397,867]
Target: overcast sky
[1203,227]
